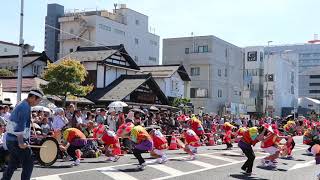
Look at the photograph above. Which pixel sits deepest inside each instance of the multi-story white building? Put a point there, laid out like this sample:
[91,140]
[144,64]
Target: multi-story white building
[7,48]
[309,83]
[281,83]
[253,79]
[103,28]
[215,67]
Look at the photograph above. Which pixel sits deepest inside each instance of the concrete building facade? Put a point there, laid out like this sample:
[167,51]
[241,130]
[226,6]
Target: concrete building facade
[253,79]
[281,82]
[7,48]
[103,28]
[309,83]
[52,26]
[215,67]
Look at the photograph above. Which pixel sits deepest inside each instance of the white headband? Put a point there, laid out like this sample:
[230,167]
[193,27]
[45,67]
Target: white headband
[36,94]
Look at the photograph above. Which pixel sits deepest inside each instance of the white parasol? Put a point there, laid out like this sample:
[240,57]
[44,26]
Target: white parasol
[117,104]
[40,108]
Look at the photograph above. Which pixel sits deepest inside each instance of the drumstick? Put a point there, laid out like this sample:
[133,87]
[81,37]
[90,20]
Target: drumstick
[36,146]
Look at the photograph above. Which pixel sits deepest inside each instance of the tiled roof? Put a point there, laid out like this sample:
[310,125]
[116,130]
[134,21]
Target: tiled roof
[9,84]
[11,61]
[8,43]
[165,71]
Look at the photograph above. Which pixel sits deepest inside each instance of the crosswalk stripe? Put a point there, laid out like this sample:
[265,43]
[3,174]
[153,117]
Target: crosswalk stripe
[115,174]
[200,163]
[218,157]
[53,177]
[233,153]
[166,169]
[302,165]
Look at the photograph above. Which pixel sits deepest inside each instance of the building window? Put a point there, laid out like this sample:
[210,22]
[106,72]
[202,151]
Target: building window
[104,27]
[137,22]
[136,40]
[136,58]
[252,56]
[198,93]
[226,53]
[225,73]
[36,69]
[261,56]
[5,50]
[152,58]
[314,91]
[219,93]
[270,77]
[219,72]
[195,71]
[314,84]
[186,50]
[153,43]
[202,49]
[314,76]
[292,77]
[71,31]
[292,90]
[71,50]
[119,32]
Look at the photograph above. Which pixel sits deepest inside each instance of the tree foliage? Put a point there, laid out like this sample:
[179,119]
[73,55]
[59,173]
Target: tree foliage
[6,73]
[180,101]
[65,79]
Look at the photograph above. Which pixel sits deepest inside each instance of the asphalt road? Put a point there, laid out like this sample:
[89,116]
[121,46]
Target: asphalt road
[212,163]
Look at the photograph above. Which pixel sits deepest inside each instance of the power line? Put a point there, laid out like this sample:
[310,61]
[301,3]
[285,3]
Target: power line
[76,36]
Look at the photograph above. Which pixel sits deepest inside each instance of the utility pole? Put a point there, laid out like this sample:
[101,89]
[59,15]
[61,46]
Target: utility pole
[21,47]
[266,78]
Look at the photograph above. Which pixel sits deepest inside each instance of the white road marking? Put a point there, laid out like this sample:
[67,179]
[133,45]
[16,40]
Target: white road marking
[166,177]
[302,165]
[166,169]
[52,177]
[115,174]
[233,153]
[202,164]
[219,157]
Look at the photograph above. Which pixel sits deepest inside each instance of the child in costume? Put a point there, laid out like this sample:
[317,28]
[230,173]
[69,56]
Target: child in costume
[196,125]
[124,132]
[111,143]
[270,144]
[143,142]
[227,127]
[289,132]
[250,137]
[311,136]
[192,142]
[160,145]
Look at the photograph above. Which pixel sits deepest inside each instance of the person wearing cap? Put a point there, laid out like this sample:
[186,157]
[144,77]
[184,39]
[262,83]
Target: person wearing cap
[3,149]
[18,134]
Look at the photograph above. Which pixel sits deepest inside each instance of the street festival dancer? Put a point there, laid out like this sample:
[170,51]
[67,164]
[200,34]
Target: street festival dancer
[142,142]
[110,141]
[192,142]
[74,140]
[18,134]
[227,127]
[160,145]
[270,144]
[250,138]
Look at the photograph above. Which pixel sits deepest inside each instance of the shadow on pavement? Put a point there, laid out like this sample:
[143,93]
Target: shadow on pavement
[233,155]
[243,176]
[55,167]
[130,170]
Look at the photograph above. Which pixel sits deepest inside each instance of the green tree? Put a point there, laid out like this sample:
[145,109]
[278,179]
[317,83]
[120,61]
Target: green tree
[65,79]
[6,73]
[180,101]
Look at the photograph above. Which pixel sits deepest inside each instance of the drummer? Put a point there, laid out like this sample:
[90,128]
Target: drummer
[18,134]
[74,140]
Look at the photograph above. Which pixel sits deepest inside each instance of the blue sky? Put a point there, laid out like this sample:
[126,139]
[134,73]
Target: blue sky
[241,22]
